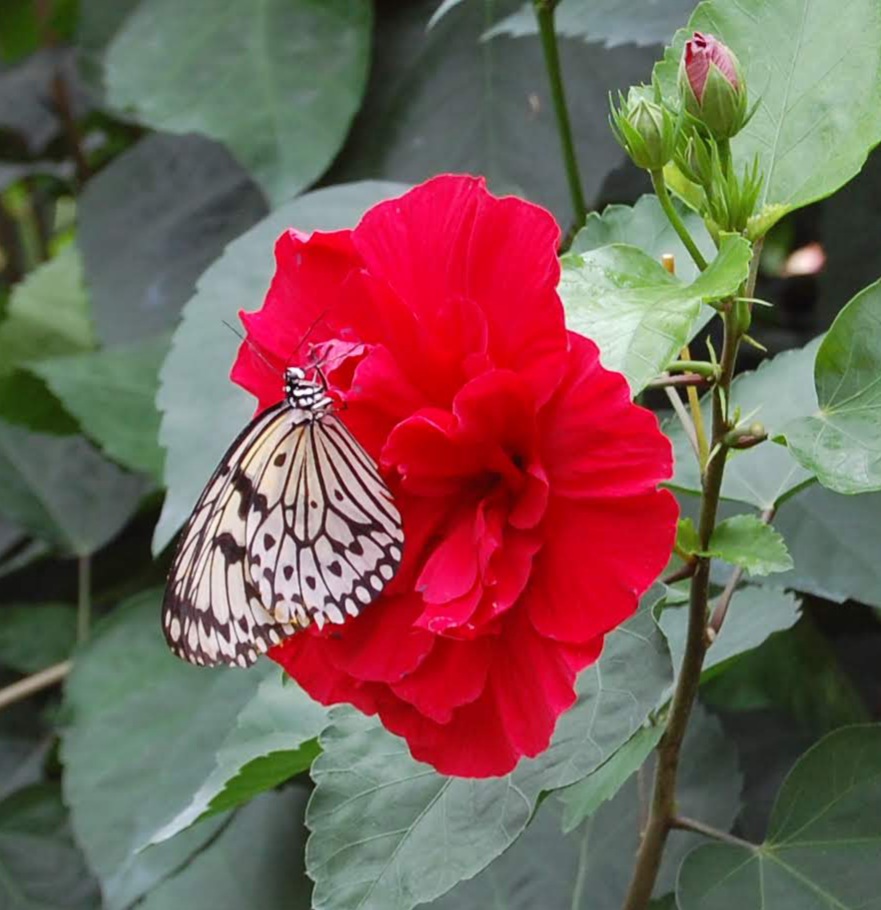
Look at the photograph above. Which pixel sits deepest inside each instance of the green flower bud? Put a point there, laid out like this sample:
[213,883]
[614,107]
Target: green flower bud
[711,86]
[645,128]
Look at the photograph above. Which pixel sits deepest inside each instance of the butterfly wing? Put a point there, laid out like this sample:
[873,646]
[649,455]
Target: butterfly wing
[295,525]
[212,613]
[333,539]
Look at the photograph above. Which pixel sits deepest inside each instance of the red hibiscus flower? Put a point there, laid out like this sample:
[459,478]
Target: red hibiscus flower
[525,477]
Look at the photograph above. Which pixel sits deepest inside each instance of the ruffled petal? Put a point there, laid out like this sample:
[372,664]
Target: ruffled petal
[595,441]
[601,556]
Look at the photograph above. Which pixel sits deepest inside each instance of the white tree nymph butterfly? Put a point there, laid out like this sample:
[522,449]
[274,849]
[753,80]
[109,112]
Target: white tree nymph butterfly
[295,526]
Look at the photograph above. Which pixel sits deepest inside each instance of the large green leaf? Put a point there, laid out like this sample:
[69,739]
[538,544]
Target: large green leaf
[841,443]
[151,222]
[138,716]
[819,113]
[611,21]
[273,740]
[48,313]
[639,314]
[256,861]
[443,100]
[112,394]
[583,798]
[34,636]
[377,816]
[590,869]
[754,614]
[202,410]
[779,390]
[834,541]
[41,867]
[63,491]
[645,225]
[245,74]
[795,671]
[823,842]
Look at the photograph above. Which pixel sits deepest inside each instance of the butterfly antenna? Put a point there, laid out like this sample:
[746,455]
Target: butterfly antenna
[308,332]
[251,345]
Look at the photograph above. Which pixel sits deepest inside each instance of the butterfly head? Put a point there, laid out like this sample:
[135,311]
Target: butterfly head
[306,394]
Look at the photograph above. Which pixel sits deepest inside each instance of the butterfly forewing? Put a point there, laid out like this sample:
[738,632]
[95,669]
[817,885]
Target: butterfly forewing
[296,525]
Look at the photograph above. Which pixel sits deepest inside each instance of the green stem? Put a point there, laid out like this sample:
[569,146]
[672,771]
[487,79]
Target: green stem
[660,186]
[701,367]
[84,598]
[544,14]
[725,156]
[663,805]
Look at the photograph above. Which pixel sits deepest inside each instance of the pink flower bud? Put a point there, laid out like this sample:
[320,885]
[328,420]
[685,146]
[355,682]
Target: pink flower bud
[711,86]
[700,51]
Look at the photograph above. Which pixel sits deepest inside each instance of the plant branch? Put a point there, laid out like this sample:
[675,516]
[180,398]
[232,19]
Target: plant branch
[686,380]
[664,793]
[663,195]
[681,573]
[701,367]
[544,14]
[684,419]
[683,823]
[84,598]
[62,101]
[30,685]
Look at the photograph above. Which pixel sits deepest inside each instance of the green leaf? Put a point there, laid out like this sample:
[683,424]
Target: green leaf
[251,78]
[256,861]
[35,636]
[819,113]
[591,867]
[823,841]
[754,614]
[645,225]
[443,100]
[834,541]
[764,476]
[167,207]
[41,867]
[582,799]
[613,22]
[639,315]
[63,491]
[112,394]
[272,741]
[48,313]
[796,671]
[377,816]
[26,401]
[138,716]
[202,410]
[841,443]
[747,541]
[687,538]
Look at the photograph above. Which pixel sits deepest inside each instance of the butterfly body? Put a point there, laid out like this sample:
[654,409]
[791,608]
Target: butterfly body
[295,526]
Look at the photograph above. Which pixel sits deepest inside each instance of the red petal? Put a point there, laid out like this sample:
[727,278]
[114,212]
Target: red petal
[449,239]
[600,557]
[382,644]
[453,675]
[595,441]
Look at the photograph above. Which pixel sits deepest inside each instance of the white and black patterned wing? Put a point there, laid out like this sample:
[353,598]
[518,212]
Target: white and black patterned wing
[212,612]
[331,542]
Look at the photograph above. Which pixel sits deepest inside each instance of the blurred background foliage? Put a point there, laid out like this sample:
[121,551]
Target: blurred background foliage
[138,140]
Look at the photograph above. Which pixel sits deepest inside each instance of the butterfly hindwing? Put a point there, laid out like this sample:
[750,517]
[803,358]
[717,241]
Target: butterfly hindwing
[333,539]
[295,525]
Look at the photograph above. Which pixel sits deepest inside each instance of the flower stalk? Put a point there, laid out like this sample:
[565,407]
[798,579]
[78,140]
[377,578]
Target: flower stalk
[544,14]
[663,195]
[662,812]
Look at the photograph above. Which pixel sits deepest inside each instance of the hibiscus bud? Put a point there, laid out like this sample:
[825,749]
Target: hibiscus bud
[645,128]
[711,86]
